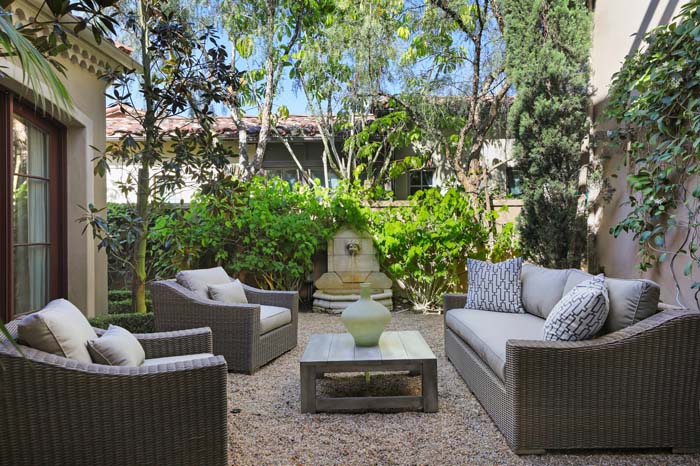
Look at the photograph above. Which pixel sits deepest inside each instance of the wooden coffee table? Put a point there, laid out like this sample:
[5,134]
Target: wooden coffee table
[397,351]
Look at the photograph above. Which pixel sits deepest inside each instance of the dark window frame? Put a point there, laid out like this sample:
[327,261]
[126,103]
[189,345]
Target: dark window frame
[10,107]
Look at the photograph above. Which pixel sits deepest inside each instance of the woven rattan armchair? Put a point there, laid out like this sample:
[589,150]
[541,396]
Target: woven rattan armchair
[236,328]
[638,387]
[61,412]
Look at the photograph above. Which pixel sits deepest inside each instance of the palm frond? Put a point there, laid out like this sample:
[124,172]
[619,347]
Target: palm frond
[36,69]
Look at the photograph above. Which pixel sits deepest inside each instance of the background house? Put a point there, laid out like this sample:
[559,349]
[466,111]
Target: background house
[47,175]
[302,134]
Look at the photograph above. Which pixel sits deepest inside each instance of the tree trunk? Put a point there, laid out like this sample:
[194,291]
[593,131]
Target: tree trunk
[138,283]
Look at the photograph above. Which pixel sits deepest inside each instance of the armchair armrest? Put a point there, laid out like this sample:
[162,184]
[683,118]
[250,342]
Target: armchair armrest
[93,413]
[287,299]
[175,343]
[454,301]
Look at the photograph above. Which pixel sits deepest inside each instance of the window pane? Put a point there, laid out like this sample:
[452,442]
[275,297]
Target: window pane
[30,149]
[30,212]
[31,278]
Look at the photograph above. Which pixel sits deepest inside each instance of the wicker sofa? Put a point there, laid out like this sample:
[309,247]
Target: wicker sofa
[62,412]
[637,385]
[239,334]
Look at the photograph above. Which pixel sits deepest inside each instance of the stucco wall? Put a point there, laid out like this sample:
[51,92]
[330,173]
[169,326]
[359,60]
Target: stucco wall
[85,127]
[618,29]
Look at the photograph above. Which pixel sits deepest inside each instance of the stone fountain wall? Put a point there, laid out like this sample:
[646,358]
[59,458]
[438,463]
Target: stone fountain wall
[352,260]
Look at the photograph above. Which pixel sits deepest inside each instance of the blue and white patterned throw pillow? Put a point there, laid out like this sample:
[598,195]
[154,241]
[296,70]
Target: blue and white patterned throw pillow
[494,287]
[580,314]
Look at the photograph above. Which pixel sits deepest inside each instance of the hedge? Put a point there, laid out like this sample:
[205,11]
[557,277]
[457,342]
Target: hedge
[133,322]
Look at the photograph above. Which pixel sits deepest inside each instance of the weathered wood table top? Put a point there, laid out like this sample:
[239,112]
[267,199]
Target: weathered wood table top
[397,351]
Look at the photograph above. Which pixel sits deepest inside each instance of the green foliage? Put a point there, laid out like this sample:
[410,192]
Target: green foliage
[550,215]
[37,42]
[134,322]
[264,229]
[655,97]
[548,45]
[424,246]
[119,302]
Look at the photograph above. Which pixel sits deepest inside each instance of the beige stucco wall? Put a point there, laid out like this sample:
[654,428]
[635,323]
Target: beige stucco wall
[85,127]
[618,27]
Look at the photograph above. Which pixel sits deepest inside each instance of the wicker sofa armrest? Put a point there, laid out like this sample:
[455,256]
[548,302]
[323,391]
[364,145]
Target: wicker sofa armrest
[454,301]
[286,299]
[650,367]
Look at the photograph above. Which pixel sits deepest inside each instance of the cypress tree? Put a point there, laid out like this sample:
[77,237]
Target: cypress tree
[547,60]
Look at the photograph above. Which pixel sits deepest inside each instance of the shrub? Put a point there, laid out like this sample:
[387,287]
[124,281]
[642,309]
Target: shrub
[133,322]
[424,246]
[265,229]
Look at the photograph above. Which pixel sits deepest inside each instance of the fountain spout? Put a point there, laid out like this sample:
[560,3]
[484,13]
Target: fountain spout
[353,247]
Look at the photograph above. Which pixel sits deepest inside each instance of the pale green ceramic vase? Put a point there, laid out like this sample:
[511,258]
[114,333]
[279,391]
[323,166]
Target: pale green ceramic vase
[366,319]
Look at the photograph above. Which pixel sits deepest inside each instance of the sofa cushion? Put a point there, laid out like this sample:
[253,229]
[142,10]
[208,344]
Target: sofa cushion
[542,288]
[198,280]
[60,329]
[116,347]
[230,293]
[488,332]
[494,287]
[580,314]
[172,359]
[272,317]
[631,300]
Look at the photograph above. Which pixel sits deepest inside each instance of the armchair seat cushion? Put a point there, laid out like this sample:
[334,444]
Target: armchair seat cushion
[273,317]
[488,332]
[171,359]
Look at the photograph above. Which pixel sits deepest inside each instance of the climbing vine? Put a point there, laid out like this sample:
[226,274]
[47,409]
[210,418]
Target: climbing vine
[655,98]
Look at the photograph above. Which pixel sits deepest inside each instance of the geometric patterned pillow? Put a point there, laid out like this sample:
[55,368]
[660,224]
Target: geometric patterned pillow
[495,287]
[580,314]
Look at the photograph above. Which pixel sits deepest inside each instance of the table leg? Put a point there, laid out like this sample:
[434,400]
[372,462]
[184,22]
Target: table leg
[308,389]
[429,387]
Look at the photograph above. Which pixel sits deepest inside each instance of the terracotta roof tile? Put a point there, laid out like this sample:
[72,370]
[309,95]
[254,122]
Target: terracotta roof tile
[119,123]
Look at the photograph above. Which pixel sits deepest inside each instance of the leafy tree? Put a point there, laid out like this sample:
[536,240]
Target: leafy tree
[36,43]
[264,32]
[548,44]
[185,71]
[454,82]
[655,97]
[343,67]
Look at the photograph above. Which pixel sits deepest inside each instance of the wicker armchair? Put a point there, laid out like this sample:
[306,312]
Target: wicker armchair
[236,328]
[62,412]
[638,387]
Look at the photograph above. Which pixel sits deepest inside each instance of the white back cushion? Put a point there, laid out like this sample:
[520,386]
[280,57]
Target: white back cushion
[198,280]
[542,288]
[60,329]
[230,293]
[117,347]
[631,300]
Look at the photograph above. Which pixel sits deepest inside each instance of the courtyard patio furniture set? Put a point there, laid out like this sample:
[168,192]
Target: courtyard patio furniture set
[634,384]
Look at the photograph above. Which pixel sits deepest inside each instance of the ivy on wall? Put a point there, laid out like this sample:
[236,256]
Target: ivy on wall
[655,98]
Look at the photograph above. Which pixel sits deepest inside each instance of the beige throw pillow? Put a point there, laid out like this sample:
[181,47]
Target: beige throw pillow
[60,329]
[230,293]
[117,347]
[199,280]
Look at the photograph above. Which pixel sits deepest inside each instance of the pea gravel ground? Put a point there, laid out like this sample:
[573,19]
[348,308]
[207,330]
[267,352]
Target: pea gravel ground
[269,429]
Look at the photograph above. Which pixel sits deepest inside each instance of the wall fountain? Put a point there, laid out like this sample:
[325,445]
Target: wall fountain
[352,260]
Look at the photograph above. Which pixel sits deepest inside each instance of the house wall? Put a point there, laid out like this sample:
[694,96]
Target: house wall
[618,29]
[85,127]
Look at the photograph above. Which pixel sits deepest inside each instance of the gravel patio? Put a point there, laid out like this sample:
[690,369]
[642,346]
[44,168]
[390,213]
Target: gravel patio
[266,426]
